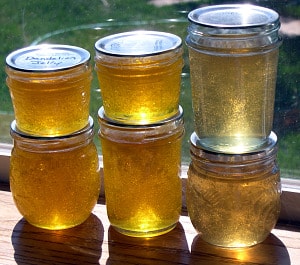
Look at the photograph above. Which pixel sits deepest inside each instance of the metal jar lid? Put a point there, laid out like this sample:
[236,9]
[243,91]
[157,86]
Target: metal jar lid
[233,16]
[268,149]
[47,57]
[138,43]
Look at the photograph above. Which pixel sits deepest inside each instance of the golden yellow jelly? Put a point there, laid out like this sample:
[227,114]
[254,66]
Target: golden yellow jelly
[55,182]
[142,175]
[139,74]
[50,89]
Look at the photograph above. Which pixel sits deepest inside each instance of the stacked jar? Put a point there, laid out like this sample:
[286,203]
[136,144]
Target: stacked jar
[141,127]
[54,167]
[233,188]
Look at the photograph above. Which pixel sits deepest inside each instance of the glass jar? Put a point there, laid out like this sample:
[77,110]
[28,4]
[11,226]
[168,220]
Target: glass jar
[233,51]
[143,68]
[50,89]
[55,182]
[233,200]
[142,175]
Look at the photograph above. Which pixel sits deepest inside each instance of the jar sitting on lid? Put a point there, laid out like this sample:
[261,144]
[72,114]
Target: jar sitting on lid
[50,89]
[233,200]
[233,52]
[141,166]
[142,68]
[55,182]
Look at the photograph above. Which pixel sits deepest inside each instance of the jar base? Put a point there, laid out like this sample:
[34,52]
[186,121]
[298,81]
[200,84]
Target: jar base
[145,234]
[242,243]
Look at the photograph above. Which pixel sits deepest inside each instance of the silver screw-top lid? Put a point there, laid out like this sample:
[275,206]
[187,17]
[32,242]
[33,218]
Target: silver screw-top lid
[47,57]
[138,43]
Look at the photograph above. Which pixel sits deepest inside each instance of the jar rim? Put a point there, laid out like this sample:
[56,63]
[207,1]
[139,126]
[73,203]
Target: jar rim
[267,149]
[233,16]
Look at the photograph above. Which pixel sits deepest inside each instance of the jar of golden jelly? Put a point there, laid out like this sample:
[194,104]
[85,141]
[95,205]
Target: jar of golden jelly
[50,89]
[233,200]
[142,182]
[142,68]
[233,52]
[55,182]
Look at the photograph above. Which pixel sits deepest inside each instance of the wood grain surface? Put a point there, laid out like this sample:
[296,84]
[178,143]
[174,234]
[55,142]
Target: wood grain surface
[95,242]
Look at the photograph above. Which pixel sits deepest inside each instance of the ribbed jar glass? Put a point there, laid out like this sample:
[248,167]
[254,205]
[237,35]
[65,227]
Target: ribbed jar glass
[55,182]
[233,200]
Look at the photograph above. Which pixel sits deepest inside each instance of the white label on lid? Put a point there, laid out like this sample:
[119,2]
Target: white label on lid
[44,59]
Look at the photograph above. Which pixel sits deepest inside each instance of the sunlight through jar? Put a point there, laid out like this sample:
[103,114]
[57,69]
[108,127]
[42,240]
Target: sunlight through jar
[139,75]
[55,181]
[233,200]
[142,174]
[233,52]
[50,89]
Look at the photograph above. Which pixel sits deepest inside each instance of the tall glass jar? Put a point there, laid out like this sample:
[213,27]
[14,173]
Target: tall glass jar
[55,182]
[143,68]
[233,200]
[142,174]
[233,51]
[50,89]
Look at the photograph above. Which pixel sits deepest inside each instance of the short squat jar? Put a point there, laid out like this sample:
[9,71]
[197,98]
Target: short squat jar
[55,182]
[143,68]
[142,175]
[233,200]
[50,89]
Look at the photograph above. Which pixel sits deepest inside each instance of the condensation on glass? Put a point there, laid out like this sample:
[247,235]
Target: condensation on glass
[139,74]
[233,51]
[233,200]
[55,181]
[141,166]
[50,88]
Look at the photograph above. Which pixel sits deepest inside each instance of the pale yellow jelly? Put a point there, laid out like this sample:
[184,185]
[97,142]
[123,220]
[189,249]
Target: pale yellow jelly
[233,200]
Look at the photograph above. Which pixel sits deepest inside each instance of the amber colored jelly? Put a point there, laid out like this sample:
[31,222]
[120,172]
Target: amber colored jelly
[50,89]
[142,175]
[233,200]
[55,182]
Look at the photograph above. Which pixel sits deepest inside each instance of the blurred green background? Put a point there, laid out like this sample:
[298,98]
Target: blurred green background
[82,22]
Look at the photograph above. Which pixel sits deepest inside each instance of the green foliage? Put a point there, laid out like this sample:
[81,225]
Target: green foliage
[82,22]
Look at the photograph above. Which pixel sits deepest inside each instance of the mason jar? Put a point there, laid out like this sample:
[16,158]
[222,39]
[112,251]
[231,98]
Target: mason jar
[142,174]
[233,200]
[50,89]
[233,53]
[55,181]
[142,68]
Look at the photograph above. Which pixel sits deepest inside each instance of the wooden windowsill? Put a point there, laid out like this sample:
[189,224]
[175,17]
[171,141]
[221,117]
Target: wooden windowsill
[95,242]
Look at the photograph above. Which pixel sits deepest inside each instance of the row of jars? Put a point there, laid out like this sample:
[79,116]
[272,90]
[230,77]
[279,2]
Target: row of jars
[233,185]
